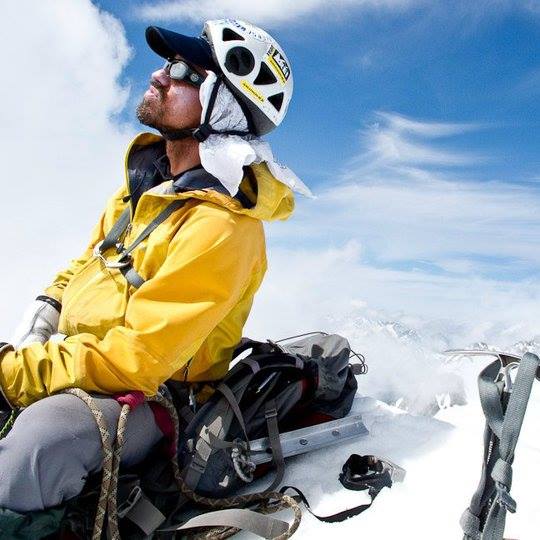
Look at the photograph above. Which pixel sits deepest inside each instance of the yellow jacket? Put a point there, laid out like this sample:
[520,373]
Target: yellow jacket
[202,267]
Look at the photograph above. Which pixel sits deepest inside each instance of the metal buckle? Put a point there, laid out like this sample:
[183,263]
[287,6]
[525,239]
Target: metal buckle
[198,464]
[111,264]
[202,132]
[271,412]
[507,377]
[133,498]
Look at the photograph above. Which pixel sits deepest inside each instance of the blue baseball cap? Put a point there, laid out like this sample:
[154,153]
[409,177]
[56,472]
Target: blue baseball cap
[196,50]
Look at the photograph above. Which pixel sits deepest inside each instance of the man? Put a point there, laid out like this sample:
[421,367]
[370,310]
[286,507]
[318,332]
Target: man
[168,279]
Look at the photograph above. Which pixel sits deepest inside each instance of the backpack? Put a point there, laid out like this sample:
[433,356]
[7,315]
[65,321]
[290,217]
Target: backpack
[277,388]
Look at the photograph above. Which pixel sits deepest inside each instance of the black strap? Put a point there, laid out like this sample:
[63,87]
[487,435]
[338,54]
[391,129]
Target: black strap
[259,347]
[245,344]
[51,301]
[271,416]
[229,396]
[359,473]
[334,518]
[202,132]
[176,134]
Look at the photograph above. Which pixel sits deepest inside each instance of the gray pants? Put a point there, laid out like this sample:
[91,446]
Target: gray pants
[55,444]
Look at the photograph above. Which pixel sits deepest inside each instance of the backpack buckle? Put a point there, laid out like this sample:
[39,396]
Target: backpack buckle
[270,412]
[123,261]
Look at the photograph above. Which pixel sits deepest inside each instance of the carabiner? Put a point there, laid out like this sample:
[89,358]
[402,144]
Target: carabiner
[112,264]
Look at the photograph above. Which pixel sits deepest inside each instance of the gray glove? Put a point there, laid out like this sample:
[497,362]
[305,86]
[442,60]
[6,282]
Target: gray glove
[39,323]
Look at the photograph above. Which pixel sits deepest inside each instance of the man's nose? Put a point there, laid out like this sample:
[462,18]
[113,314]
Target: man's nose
[161,77]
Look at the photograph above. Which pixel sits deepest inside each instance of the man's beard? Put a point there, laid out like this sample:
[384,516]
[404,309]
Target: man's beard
[152,116]
[148,115]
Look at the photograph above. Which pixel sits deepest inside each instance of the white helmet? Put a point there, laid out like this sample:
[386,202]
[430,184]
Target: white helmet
[255,69]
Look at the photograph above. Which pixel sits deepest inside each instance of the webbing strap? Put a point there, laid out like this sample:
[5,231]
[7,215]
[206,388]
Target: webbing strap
[158,220]
[247,520]
[132,276]
[112,238]
[271,416]
[117,230]
[492,498]
[229,396]
[145,515]
[340,516]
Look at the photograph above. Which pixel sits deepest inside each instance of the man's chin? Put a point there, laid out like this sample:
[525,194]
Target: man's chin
[147,114]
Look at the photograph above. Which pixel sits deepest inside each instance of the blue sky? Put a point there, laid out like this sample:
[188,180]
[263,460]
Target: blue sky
[447,61]
[415,122]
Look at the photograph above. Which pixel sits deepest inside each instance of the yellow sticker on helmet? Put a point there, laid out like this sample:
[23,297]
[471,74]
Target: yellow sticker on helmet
[278,62]
[251,90]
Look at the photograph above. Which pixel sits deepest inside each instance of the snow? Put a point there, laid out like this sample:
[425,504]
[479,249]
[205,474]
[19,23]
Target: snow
[438,440]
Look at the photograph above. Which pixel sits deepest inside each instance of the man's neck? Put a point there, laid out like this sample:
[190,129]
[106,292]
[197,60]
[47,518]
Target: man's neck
[183,154]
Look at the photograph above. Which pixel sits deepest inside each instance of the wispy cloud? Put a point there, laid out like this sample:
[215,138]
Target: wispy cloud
[275,13]
[408,202]
[411,230]
[270,12]
[398,141]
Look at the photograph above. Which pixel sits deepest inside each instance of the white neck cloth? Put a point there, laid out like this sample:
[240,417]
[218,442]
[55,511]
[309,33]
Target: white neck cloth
[224,156]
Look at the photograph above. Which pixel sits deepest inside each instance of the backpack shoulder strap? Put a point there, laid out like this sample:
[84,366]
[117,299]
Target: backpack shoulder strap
[125,261]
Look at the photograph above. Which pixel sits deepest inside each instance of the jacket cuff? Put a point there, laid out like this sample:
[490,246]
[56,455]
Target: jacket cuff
[4,402]
[55,292]
[51,301]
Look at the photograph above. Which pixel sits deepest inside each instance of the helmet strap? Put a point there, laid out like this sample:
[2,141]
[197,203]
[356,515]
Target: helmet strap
[202,132]
[177,134]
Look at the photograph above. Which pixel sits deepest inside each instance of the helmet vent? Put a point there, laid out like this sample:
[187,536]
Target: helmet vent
[240,61]
[231,35]
[276,100]
[265,75]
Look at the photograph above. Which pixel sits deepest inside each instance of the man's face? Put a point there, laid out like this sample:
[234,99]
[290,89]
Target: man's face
[170,105]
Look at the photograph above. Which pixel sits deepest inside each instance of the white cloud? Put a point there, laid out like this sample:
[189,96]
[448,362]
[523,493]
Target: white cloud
[429,129]
[275,13]
[397,140]
[411,237]
[270,12]
[407,234]
[62,149]
[322,289]
[408,203]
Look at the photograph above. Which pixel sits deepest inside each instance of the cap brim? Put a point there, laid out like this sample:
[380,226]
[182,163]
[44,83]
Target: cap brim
[168,44]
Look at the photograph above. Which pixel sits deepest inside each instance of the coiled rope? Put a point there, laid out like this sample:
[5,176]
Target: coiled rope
[5,429]
[107,502]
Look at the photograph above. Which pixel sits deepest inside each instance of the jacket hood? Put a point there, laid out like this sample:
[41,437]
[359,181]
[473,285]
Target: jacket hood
[260,196]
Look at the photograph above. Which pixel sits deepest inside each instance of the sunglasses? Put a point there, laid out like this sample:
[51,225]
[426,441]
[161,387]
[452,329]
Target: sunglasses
[180,71]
